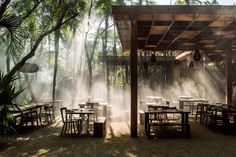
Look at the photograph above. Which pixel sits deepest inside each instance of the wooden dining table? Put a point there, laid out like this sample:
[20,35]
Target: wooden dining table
[84,115]
[25,108]
[185,127]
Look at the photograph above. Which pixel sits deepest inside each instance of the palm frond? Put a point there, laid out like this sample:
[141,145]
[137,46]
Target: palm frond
[11,22]
[8,90]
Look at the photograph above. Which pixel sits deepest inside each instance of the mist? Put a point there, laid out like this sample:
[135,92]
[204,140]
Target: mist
[73,80]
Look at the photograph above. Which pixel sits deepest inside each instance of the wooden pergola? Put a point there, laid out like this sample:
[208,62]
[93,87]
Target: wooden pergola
[210,29]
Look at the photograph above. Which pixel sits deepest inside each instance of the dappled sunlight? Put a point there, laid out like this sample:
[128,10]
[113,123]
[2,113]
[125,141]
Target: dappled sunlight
[42,151]
[121,144]
[23,139]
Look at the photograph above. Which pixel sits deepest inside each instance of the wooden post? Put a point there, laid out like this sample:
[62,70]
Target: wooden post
[107,74]
[228,72]
[133,69]
[204,71]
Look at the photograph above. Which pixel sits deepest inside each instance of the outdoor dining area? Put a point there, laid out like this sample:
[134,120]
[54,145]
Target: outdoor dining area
[159,116]
[156,80]
[217,117]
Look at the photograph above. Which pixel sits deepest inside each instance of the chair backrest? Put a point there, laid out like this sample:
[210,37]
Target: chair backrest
[63,113]
[39,109]
[47,107]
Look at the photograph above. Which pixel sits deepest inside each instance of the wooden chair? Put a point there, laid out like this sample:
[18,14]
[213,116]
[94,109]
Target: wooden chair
[46,113]
[31,117]
[218,118]
[209,116]
[69,124]
[200,112]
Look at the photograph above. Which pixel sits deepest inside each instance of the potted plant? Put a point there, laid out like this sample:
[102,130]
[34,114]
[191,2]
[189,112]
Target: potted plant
[8,93]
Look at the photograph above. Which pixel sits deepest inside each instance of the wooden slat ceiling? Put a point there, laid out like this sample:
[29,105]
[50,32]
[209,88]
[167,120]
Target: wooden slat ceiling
[183,28]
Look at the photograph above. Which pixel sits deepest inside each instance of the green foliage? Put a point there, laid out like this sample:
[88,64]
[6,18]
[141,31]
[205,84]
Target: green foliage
[7,90]
[12,36]
[26,20]
[104,6]
[7,94]
[7,122]
[213,2]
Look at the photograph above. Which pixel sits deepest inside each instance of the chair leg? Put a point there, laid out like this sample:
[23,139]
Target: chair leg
[32,124]
[40,120]
[62,130]
[49,118]
[66,128]
[80,126]
[73,127]
[37,123]
[196,117]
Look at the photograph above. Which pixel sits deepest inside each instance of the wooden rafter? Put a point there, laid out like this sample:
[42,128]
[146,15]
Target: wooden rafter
[186,28]
[165,33]
[153,21]
[177,28]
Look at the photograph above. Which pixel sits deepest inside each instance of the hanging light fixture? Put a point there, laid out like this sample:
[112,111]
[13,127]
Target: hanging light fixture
[190,64]
[29,68]
[197,55]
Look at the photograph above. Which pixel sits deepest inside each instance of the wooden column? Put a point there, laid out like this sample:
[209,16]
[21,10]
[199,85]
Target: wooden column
[204,54]
[133,71]
[228,72]
[108,73]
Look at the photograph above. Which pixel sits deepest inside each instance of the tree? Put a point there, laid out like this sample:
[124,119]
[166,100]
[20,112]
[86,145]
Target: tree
[90,51]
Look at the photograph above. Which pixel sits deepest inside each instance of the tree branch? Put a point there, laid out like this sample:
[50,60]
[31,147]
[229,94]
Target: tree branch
[31,11]
[72,17]
[95,41]
[105,30]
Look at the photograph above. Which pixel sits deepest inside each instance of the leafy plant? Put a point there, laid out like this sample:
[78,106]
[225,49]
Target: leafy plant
[8,93]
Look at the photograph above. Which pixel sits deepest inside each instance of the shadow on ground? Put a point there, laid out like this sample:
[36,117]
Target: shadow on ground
[47,142]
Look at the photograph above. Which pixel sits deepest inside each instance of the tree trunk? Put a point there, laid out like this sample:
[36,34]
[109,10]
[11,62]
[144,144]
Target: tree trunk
[90,54]
[56,44]
[114,69]
[105,35]
[104,41]
[187,2]
[49,50]
[90,76]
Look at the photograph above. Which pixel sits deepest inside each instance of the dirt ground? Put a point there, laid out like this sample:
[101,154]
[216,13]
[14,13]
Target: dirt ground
[117,143]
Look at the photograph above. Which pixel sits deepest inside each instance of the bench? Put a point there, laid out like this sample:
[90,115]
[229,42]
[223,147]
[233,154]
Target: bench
[99,127]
